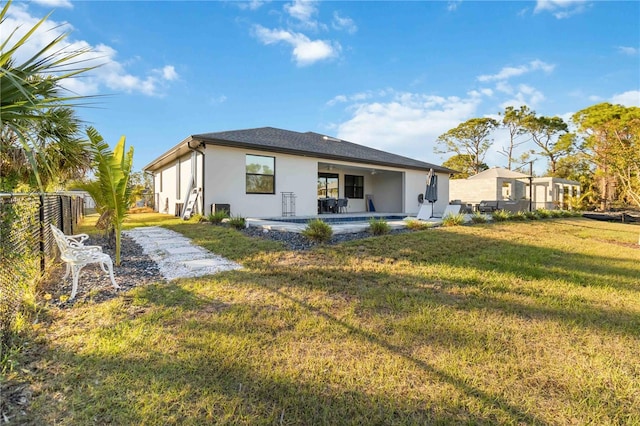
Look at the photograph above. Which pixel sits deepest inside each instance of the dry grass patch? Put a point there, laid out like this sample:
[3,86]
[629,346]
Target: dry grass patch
[511,323]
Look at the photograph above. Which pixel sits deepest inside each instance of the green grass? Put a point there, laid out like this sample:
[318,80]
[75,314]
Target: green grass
[534,322]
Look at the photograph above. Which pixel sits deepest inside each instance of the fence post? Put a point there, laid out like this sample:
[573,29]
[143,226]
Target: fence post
[42,234]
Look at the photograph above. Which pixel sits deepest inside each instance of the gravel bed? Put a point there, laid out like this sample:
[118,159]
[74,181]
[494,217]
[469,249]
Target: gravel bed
[136,269]
[295,241]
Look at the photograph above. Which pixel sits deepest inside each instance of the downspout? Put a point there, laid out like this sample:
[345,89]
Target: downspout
[195,177]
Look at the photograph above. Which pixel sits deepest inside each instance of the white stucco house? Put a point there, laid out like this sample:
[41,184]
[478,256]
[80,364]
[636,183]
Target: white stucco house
[500,184]
[268,172]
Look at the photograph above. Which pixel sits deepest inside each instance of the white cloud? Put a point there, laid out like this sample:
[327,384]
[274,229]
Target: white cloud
[402,122]
[359,97]
[509,72]
[525,95]
[303,11]
[627,50]
[111,74]
[628,99]
[216,100]
[169,73]
[561,9]
[55,3]
[344,23]
[305,51]
[249,5]
[452,5]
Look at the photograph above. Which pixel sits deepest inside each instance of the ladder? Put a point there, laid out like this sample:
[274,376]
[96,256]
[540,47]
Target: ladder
[190,203]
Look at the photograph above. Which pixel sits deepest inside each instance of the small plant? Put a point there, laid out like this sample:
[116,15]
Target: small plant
[478,217]
[501,215]
[453,220]
[532,215]
[378,226]
[318,231]
[519,215]
[237,222]
[418,225]
[543,213]
[555,213]
[197,218]
[217,217]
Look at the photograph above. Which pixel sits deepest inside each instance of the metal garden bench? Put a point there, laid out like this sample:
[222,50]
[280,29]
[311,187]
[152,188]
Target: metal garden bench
[76,256]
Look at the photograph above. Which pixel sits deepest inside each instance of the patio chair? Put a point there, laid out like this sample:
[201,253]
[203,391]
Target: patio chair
[342,205]
[488,206]
[331,205]
[76,256]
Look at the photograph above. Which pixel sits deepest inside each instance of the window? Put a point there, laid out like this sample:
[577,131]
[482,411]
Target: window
[261,174]
[353,186]
[327,185]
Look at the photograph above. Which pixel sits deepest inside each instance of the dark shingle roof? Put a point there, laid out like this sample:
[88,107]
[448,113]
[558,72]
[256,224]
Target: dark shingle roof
[311,144]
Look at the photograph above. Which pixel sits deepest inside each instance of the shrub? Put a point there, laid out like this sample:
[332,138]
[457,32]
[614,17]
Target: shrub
[217,217]
[418,225]
[478,217]
[543,213]
[237,222]
[556,213]
[501,215]
[197,218]
[520,215]
[318,231]
[532,215]
[453,220]
[378,226]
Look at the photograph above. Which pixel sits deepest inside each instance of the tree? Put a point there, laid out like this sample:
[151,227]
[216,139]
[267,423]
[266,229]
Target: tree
[513,121]
[611,136]
[551,135]
[60,153]
[463,163]
[469,138]
[140,183]
[111,190]
[32,92]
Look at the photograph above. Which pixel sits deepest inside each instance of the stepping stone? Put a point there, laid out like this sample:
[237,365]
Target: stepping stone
[183,250]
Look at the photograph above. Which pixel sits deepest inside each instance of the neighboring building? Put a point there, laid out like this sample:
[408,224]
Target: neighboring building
[499,184]
[269,172]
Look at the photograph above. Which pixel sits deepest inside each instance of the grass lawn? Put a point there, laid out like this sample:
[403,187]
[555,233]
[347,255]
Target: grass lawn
[532,322]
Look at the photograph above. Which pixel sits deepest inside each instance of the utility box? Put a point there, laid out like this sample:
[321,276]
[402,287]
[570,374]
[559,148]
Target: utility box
[215,208]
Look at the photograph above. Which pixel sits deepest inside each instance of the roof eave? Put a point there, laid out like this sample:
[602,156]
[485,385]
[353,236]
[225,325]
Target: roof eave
[169,155]
[236,144]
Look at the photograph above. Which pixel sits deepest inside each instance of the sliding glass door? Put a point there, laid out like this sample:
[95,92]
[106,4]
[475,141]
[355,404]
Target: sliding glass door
[327,185]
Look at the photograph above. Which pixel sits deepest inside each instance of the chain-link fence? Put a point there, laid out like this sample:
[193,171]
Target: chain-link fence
[26,243]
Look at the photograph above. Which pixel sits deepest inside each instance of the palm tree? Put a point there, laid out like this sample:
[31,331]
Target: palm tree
[111,190]
[32,92]
[60,153]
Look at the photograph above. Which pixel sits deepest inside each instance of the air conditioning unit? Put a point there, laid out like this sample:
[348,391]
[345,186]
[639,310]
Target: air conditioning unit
[215,208]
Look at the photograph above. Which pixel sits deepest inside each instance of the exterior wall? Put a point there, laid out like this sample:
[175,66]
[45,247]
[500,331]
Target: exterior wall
[166,189]
[384,188]
[222,175]
[225,183]
[172,182]
[473,191]
[416,183]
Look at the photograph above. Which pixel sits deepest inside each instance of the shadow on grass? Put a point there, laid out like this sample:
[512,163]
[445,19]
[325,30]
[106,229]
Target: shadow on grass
[219,386]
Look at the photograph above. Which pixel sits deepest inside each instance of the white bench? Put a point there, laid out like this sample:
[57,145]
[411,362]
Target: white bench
[76,256]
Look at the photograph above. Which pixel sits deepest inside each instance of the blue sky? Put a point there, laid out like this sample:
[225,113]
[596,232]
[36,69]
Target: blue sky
[390,75]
